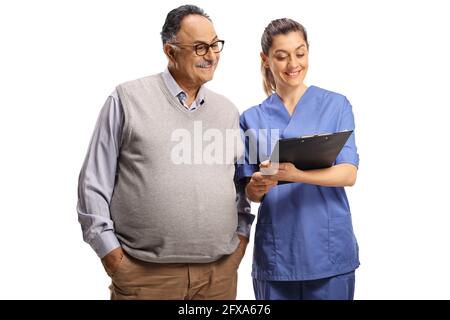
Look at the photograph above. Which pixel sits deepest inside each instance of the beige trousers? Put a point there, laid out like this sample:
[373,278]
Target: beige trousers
[135,279]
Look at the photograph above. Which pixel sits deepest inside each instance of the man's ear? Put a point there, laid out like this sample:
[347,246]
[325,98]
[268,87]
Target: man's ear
[169,50]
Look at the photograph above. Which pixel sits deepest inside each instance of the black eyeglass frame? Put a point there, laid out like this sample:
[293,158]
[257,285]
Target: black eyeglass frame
[202,48]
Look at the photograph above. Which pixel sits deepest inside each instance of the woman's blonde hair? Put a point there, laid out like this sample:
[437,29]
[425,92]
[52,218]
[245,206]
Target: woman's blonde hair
[276,27]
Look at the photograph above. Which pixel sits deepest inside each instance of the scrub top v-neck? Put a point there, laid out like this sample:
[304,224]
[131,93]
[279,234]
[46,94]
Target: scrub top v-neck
[304,231]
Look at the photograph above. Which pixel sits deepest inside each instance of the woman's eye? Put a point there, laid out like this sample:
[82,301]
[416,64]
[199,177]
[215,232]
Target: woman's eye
[280,58]
[300,55]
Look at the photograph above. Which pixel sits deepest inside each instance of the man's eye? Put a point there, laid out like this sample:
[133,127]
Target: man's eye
[215,46]
[201,46]
[300,55]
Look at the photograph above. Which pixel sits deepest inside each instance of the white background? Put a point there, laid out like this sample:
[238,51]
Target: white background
[59,60]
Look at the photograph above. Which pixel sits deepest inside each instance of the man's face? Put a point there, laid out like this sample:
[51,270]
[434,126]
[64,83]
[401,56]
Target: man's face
[190,68]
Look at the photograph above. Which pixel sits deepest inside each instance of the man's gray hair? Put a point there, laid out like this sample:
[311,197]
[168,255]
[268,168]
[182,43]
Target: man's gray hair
[173,21]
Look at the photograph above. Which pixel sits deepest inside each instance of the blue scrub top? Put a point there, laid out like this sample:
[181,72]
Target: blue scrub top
[303,231]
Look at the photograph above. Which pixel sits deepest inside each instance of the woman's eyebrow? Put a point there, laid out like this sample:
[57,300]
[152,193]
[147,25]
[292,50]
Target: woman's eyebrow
[284,51]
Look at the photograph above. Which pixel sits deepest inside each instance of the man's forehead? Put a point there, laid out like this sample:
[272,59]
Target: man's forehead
[196,28]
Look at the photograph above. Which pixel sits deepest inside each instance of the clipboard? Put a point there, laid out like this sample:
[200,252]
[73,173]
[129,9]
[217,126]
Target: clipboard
[310,152]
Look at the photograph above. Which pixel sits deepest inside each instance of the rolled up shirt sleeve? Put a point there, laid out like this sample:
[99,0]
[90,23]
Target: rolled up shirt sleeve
[349,153]
[97,178]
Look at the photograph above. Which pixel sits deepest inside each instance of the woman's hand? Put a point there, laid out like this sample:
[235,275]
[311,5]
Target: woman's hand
[281,171]
[340,175]
[259,185]
[287,172]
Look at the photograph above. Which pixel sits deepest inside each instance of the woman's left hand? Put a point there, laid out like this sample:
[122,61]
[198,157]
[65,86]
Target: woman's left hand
[340,175]
[285,171]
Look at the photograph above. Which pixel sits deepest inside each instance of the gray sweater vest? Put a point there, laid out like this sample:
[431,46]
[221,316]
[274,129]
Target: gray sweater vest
[163,211]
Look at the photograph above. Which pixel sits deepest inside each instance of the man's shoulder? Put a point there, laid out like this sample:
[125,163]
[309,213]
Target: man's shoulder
[140,82]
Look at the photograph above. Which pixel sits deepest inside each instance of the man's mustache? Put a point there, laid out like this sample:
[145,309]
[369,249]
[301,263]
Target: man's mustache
[207,64]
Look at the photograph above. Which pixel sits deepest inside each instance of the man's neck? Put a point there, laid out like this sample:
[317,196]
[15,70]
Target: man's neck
[190,90]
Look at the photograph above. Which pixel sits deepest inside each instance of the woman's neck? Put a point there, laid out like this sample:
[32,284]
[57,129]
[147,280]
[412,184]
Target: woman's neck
[290,96]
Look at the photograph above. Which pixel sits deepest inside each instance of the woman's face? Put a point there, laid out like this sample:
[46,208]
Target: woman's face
[288,59]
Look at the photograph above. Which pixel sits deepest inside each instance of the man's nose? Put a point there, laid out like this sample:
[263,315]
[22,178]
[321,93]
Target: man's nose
[210,54]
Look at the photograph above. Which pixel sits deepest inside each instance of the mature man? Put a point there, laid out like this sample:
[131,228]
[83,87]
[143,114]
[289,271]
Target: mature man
[165,229]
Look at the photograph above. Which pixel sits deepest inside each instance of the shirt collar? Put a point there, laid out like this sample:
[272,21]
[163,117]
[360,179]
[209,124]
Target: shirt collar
[175,90]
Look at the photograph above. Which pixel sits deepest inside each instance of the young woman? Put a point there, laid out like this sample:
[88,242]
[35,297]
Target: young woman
[304,247]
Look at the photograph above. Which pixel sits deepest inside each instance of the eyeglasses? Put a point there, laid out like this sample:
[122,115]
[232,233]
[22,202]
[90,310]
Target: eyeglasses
[202,48]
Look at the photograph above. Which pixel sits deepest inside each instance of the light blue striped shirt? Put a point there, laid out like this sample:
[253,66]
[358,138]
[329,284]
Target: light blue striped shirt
[176,91]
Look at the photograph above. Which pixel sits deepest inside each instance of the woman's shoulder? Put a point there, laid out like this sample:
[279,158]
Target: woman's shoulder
[256,110]
[330,99]
[328,94]
[251,111]
[256,115]
[251,116]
